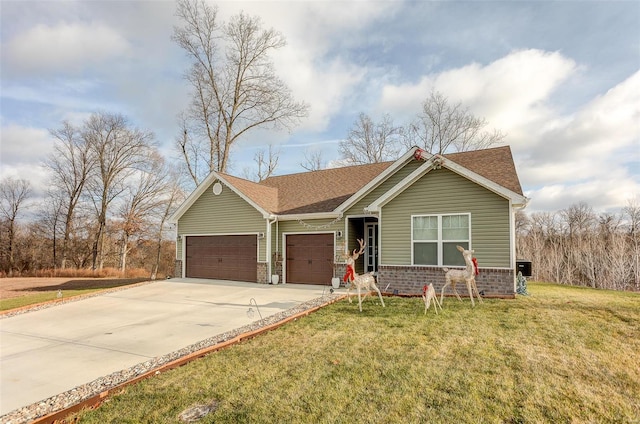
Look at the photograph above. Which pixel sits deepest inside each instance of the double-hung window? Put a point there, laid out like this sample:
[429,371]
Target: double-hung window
[434,239]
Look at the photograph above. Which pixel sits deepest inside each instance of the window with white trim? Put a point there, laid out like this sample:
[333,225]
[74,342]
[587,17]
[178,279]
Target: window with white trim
[434,239]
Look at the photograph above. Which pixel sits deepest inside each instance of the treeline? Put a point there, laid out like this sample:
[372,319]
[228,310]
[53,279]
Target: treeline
[579,247]
[108,199]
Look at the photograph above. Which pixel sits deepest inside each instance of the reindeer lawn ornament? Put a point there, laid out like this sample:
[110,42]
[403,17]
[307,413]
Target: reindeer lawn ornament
[467,275]
[429,294]
[364,282]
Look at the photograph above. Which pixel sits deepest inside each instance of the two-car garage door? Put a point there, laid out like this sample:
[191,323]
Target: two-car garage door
[222,257]
[309,258]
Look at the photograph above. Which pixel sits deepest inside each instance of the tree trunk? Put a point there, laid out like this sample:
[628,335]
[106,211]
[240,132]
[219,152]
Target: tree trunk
[123,252]
[156,265]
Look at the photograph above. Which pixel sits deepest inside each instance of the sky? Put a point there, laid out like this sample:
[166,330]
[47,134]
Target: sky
[560,78]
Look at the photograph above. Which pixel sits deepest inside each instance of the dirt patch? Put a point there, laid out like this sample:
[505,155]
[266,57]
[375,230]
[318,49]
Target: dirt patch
[16,287]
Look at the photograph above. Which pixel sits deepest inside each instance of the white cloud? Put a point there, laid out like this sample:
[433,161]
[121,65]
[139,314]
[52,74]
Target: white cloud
[21,152]
[68,48]
[563,159]
[509,92]
[593,135]
[325,88]
[309,64]
[606,193]
[24,145]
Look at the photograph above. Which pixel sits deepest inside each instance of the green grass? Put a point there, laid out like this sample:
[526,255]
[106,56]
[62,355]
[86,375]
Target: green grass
[32,299]
[562,355]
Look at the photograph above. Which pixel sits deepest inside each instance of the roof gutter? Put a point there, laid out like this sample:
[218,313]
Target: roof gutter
[316,215]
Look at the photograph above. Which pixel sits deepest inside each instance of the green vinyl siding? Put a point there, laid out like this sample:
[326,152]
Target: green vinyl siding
[388,184]
[226,213]
[445,192]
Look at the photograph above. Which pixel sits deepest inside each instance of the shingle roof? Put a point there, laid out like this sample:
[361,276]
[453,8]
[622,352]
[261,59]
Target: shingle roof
[264,196]
[495,164]
[325,190]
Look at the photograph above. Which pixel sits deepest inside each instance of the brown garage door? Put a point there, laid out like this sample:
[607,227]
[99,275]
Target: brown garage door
[222,257]
[309,258]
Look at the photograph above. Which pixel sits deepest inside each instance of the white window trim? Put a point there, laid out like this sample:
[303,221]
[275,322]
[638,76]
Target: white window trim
[439,242]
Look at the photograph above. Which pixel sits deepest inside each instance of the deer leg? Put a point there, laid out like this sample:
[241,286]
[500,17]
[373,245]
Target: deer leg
[426,303]
[453,286]
[469,284]
[475,287]
[442,292]
[349,290]
[436,303]
[379,295]
[434,297]
[359,299]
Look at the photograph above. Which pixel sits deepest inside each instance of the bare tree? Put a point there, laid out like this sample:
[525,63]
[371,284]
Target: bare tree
[141,198]
[370,142]
[70,165]
[13,193]
[266,164]
[632,213]
[313,160]
[442,127]
[193,149]
[235,88]
[171,197]
[118,151]
[576,246]
[50,221]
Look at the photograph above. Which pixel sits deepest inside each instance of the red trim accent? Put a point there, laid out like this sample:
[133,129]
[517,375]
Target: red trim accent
[475,266]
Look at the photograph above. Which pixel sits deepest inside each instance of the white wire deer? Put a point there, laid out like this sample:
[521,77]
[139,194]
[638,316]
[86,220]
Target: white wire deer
[467,275]
[364,282]
[429,294]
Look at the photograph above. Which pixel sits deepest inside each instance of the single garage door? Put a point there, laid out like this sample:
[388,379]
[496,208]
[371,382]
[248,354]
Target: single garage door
[309,258]
[222,257]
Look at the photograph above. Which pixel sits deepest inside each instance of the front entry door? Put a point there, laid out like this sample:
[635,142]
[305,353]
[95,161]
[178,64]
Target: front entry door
[371,252]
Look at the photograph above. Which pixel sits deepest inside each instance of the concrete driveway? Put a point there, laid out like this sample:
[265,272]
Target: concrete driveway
[47,352]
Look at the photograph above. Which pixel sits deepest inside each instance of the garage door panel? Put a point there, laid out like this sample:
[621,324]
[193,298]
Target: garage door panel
[309,258]
[222,257]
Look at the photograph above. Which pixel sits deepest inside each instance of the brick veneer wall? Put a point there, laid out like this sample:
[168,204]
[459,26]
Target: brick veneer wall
[177,269]
[339,270]
[263,269]
[409,280]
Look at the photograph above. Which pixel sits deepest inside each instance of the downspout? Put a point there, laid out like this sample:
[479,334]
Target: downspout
[269,255]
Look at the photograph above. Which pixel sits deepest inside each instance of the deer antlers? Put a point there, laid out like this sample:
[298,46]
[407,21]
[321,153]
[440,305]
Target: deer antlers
[356,253]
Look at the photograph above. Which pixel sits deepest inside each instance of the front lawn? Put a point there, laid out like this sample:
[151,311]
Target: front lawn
[564,354]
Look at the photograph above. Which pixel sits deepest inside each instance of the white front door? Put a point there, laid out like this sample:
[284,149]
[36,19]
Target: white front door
[371,251]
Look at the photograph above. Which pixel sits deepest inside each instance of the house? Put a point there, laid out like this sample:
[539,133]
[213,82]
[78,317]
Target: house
[412,213]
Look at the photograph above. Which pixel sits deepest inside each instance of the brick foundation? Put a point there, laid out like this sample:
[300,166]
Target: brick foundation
[339,270]
[263,270]
[409,280]
[177,269]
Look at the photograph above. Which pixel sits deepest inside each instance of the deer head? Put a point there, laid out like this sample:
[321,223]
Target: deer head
[356,253]
[461,249]
[469,259]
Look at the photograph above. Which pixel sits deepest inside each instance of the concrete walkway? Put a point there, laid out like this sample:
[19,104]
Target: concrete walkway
[46,352]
